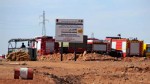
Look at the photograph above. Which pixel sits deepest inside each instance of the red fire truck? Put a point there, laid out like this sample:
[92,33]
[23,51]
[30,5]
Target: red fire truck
[46,45]
[125,47]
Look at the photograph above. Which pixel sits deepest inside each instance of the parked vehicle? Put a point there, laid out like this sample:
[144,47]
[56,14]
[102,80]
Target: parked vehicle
[128,47]
[46,45]
[135,47]
[30,48]
[99,46]
[118,46]
[146,50]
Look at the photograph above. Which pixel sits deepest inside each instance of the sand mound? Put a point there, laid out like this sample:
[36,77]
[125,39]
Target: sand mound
[18,56]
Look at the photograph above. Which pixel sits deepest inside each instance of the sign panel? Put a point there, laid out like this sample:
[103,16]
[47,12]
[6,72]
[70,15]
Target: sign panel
[69,30]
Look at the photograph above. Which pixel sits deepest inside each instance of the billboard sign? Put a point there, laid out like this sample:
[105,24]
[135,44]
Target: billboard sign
[69,30]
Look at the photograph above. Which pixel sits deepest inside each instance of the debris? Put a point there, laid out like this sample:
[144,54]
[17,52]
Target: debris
[80,57]
[18,56]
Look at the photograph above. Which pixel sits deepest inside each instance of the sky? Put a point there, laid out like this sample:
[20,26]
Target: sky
[21,18]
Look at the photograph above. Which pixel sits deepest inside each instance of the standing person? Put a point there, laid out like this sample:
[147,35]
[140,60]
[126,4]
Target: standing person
[23,46]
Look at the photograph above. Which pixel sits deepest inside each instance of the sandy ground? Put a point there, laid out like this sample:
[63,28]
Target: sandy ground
[135,70]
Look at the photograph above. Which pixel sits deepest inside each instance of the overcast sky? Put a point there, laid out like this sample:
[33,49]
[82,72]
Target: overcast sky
[20,18]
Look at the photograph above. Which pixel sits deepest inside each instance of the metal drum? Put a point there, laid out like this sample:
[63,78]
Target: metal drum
[24,73]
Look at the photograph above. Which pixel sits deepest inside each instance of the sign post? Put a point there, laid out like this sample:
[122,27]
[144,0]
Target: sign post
[75,55]
[61,51]
[69,30]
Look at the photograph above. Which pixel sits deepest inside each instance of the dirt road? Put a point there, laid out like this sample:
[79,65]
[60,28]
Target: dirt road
[79,72]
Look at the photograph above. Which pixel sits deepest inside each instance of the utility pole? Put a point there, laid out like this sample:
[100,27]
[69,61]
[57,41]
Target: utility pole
[43,24]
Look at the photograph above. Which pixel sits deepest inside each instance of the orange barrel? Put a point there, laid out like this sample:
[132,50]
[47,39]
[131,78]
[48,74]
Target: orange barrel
[24,73]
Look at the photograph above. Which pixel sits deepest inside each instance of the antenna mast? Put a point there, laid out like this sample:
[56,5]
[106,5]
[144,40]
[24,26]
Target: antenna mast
[43,24]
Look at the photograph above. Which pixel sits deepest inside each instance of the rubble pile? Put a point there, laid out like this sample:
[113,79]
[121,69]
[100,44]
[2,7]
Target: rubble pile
[55,57]
[80,57]
[18,56]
